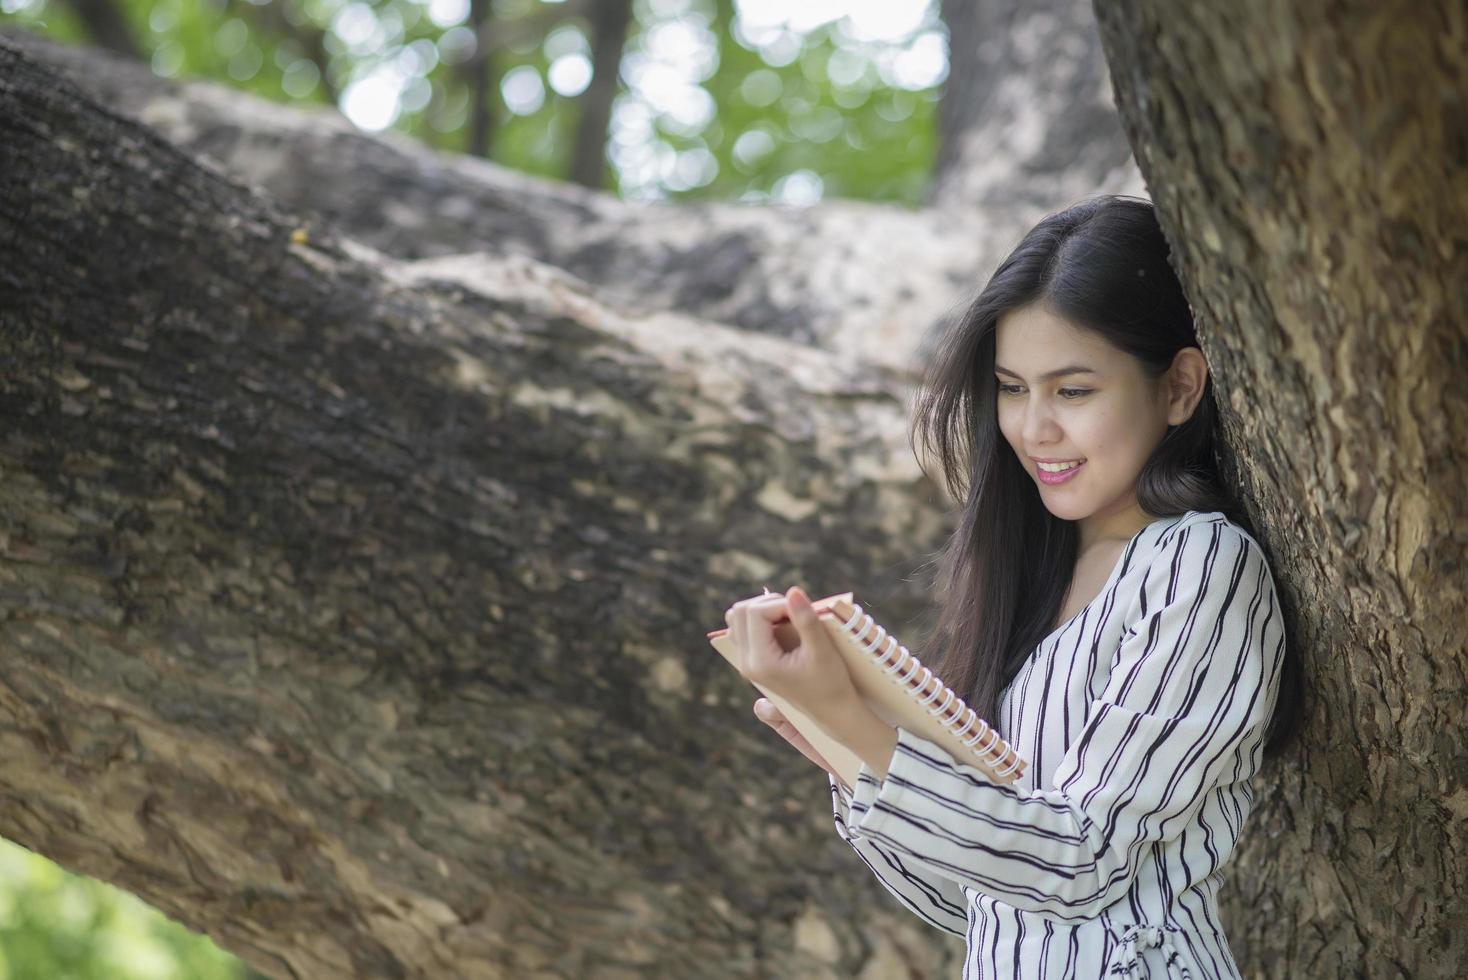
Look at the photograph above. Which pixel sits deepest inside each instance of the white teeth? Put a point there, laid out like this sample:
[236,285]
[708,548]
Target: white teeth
[1058,467]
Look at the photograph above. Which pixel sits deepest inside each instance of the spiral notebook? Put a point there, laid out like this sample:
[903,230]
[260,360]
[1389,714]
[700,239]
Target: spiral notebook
[897,687]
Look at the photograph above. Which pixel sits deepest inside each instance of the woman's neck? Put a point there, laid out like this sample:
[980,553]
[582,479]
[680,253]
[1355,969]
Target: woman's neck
[1105,530]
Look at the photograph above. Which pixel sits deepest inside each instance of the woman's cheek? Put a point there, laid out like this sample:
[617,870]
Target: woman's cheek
[1098,428]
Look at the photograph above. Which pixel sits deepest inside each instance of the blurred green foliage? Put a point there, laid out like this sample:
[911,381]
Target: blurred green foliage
[751,100]
[59,926]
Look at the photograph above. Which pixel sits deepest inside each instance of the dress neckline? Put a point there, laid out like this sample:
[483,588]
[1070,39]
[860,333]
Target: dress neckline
[1110,579]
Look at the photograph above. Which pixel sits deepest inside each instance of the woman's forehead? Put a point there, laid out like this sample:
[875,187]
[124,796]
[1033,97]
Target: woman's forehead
[1034,341]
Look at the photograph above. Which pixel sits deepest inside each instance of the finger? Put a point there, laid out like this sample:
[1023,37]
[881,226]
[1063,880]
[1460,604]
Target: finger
[757,626]
[741,609]
[756,598]
[740,634]
[770,610]
[807,621]
[731,613]
[735,635]
[792,735]
[733,620]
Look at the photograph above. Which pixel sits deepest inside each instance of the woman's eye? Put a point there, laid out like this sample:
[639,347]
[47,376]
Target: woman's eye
[1069,393]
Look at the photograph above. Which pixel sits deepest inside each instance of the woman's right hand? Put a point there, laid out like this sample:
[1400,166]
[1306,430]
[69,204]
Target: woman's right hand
[766,712]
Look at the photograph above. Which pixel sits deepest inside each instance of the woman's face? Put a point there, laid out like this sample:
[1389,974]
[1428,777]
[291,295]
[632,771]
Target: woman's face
[1110,416]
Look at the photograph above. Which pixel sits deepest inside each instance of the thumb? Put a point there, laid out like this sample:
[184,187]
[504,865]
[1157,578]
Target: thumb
[807,621]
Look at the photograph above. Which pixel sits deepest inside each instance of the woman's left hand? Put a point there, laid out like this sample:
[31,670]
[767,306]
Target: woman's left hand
[813,677]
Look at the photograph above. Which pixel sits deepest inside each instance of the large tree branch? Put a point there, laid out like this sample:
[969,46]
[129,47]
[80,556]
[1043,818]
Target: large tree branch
[300,547]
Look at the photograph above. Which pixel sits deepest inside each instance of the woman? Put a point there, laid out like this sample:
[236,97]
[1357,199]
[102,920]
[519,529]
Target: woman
[1101,597]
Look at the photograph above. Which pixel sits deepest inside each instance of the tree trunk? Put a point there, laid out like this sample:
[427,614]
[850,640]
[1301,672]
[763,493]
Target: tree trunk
[480,74]
[1308,162]
[107,26]
[609,21]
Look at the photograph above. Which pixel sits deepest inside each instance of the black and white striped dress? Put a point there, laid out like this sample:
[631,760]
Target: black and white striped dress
[1143,720]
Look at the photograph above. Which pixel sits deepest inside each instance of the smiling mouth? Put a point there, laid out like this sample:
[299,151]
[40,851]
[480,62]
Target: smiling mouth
[1058,476]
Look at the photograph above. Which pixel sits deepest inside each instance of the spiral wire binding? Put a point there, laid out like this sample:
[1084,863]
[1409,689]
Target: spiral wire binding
[910,665]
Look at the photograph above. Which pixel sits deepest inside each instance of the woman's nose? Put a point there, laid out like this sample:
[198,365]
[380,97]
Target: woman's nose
[1039,424]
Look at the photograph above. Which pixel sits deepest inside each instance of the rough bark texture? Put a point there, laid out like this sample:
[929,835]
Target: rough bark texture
[1310,162]
[298,547]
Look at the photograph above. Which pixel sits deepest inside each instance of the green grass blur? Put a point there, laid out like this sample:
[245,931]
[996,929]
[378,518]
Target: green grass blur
[55,925]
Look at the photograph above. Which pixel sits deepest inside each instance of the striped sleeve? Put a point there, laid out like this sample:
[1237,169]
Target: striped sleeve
[1184,706]
[937,900]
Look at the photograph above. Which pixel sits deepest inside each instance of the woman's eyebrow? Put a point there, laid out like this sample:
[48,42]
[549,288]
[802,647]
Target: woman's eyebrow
[1068,369]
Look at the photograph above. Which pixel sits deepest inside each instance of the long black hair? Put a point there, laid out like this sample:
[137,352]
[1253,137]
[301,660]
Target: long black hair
[1103,265]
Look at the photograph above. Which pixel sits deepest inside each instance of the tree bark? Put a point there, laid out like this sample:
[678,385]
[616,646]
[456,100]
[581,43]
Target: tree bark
[353,611]
[1308,162]
[1027,109]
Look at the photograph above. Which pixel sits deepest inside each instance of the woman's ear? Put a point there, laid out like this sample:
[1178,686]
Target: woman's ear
[1185,381]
